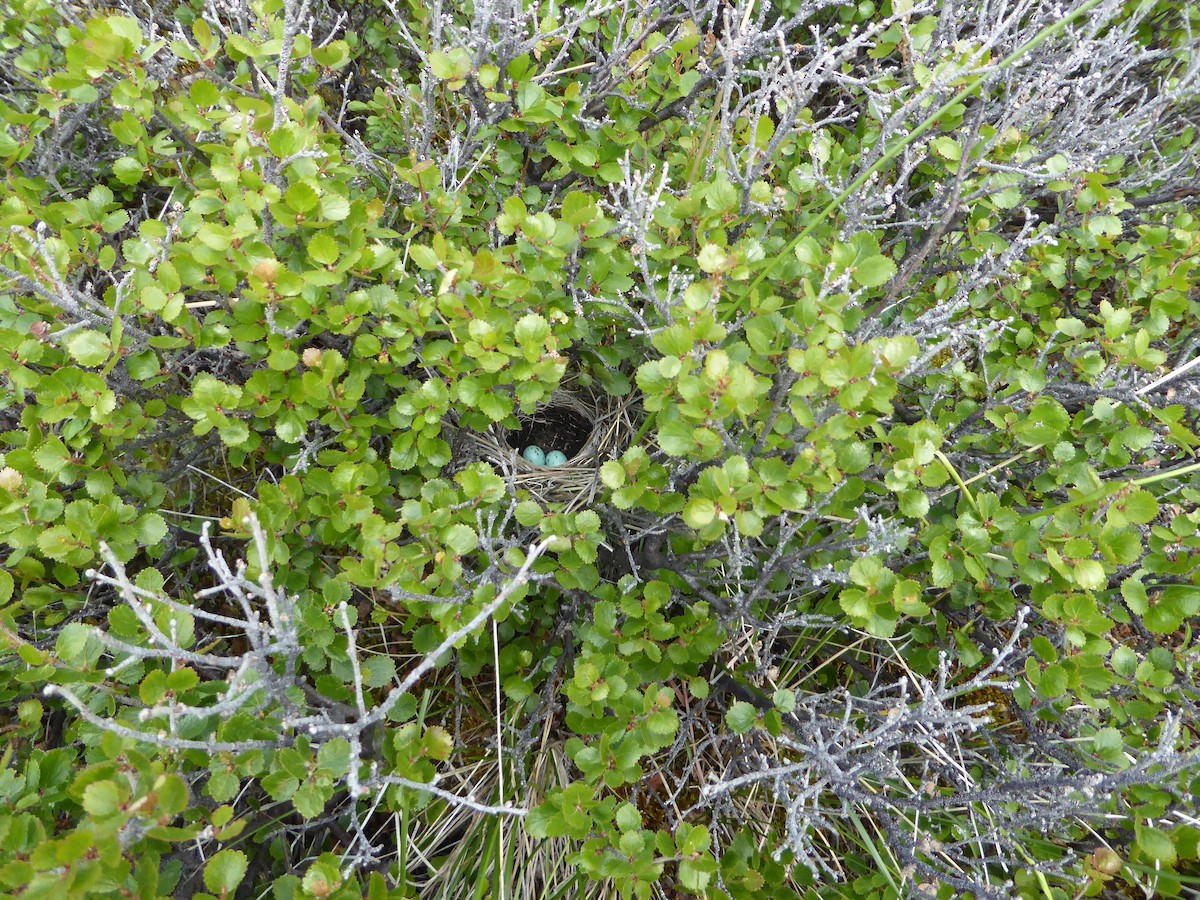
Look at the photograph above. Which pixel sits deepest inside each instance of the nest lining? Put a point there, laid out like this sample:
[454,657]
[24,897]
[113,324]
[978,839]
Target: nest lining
[590,429]
[555,428]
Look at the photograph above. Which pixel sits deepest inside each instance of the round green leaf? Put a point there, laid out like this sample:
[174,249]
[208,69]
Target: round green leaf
[699,512]
[101,798]
[225,872]
[874,271]
[89,348]
[741,717]
[460,539]
[323,249]
[1156,844]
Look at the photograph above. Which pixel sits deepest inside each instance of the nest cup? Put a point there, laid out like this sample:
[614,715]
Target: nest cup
[589,428]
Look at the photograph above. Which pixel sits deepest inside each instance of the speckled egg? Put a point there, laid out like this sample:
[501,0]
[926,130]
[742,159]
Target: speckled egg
[556,458]
[534,454]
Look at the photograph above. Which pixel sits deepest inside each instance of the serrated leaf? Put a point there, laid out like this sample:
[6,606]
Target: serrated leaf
[334,207]
[946,147]
[741,717]
[874,271]
[334,755]
[529,513]
[142,365]
[711,258]
[578,209]
[225,871]
[222,786]
[438,743]
[89,348]
[151,528]
[612,473]
[323,249]
[72,641]
[448,66]
[101,798]
[676,438]
[285,141]
[460,539]
[1089,574]
[699,512]
[302,197]
[532,331]
[378,671]
[1053,682]
[1156,844]
[172,794]
[1139,507]
[310,799]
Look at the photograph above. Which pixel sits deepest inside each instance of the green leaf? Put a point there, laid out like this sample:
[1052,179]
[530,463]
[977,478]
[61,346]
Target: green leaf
[676,439]
[234,434]
[302,197]
[1156,844]
[460,539]
[1089,574]
[741,717]
[72,641]
[488,76]
[283,360]
[874,271]
[1134,594]
[699,512]
[532,331]
[1053,682]
[335,756]
[225,871]
[1139,507]
[1124,661]
[578,209]
[286,141]
[143,365]
[448,66]
[695,874]
[425,257]
[310,799]
[711,258]
[378,671]
[128,170]
[947,148]
[323,877]
[612,473]
[628,818]
[334,207]
[60,544]
[89,348]
[529,513]
[323,249]
[1109,226]
[151,528]
[1164,617]
[172,794]
[101,798]
[1045,422]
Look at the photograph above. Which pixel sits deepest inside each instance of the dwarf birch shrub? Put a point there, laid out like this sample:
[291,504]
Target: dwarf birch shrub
[890,591]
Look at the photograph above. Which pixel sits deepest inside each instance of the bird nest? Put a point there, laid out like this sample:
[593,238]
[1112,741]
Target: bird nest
[588,428]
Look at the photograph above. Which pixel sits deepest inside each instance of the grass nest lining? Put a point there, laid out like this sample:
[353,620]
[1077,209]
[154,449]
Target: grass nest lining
[589,428]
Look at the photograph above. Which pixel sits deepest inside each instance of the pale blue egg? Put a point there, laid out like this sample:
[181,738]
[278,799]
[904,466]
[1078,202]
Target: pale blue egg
[534,454]
[556,458]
